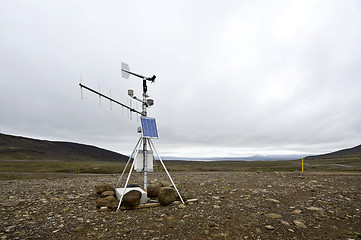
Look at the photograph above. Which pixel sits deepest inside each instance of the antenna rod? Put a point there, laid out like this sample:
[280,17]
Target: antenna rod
[104,96]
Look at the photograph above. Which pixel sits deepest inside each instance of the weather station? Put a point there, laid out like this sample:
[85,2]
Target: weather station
[142,157]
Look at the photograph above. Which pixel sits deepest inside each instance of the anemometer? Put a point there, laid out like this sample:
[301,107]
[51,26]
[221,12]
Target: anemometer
[142,158]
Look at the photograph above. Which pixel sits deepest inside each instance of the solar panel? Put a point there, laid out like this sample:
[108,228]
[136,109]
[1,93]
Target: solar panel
[149,127]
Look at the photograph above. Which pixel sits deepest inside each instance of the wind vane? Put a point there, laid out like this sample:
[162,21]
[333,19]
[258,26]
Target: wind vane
[142,160]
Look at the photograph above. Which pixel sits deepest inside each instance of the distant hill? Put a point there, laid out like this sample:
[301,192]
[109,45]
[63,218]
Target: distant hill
[349,154]
[251,158]
[22,148]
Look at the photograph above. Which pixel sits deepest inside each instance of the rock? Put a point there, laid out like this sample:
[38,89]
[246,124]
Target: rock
[315,209]
[71,197]
[165,184]
[166,195]
[92,196]
[296,211]
[10,203]
[99,189]
[318,210]
[101,202]
[109,198]
[113,204]
[269,227]
[108,193]
[131,199]
[299,224]
[274,215]
[104,209]
[182,206]
[285,223]
[152,191]
[272,200]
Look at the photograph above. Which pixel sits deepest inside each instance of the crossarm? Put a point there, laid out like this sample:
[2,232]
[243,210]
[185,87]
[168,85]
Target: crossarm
[111,99]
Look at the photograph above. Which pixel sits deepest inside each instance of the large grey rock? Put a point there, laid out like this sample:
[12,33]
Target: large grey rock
[131,199]
[165,184]
[101,202]
[103,188]
[166,195]
[113,204]
[108,193]
[153,190]
[108,198]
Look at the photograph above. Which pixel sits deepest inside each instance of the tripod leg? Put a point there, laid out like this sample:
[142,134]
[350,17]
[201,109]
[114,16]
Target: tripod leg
[170,178]
[126,183]
[128,162]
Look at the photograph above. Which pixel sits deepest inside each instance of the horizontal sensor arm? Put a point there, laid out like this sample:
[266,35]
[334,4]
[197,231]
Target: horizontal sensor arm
[152,79]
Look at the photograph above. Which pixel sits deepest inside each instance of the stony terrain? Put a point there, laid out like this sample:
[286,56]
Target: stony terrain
[232,205]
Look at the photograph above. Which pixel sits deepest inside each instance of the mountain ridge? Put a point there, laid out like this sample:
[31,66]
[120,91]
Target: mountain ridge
[353,153]
[250,158]
[23,148]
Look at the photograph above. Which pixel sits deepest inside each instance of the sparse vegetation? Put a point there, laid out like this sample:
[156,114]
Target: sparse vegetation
[24,155]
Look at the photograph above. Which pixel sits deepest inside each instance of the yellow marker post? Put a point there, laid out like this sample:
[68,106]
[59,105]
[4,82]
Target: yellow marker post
[302,164]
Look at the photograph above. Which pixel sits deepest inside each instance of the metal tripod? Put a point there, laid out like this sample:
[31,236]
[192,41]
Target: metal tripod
[143,141]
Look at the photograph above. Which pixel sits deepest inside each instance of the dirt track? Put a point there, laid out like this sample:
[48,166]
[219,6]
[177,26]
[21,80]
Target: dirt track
[237,205]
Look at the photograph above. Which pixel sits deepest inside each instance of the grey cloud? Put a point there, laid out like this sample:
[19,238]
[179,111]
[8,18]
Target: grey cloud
[235,78]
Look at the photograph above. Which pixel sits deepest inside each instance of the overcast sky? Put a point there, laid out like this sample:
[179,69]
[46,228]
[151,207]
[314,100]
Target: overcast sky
[234,78]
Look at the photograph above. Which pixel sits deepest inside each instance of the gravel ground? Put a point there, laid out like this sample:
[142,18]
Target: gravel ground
[232,205]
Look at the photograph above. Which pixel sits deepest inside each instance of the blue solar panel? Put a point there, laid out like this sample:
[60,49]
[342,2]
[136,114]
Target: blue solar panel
[149,127]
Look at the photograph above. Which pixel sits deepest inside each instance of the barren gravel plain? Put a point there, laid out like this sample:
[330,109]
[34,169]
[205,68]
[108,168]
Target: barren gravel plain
[232,205]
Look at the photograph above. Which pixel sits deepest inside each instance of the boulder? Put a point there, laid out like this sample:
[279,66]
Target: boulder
[113,204]
[103,188]
[108,193]
[131,199]
[165,184]
[108,198]
[166,195]
[152,191]
[101,202]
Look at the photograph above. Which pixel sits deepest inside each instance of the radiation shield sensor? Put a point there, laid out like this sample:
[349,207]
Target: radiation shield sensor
[139,164]
[149,127]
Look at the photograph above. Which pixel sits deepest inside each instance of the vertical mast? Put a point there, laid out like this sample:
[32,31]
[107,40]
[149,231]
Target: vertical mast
[144,113]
